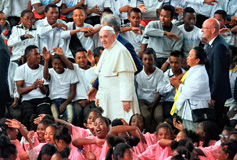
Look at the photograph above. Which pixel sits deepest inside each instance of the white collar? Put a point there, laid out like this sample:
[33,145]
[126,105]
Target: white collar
[211,41]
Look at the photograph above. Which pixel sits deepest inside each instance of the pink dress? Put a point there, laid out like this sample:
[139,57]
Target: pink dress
[75,155]
[211,143]
[93,147]
[78,132]
[26,143]
[19,148]
[150,138]
[155,152]
[210,152]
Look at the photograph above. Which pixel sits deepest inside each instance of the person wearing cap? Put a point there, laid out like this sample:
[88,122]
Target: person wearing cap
[115,70]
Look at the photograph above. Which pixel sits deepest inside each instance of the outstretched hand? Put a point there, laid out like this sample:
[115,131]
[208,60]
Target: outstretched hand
[46,54]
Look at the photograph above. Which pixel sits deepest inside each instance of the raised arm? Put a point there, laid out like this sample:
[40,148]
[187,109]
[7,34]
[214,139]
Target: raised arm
[59,51]
[47,57]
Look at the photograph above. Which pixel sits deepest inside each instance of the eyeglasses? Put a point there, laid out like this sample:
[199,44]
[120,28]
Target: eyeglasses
[32,19]
[223,136]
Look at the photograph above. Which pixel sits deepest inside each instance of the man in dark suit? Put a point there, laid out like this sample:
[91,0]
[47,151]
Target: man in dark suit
[218,67]
[114,22]
[4,63]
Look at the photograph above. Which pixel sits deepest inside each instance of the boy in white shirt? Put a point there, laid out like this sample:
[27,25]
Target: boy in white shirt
[31,86]
[22,36]
[149,82]
[133,31]
[62,84]
[229,37]
[81,103]
[167,90]
[49,30]
[192,34]
[79,28]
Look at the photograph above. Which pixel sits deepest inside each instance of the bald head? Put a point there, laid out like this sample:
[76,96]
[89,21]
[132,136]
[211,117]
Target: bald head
[210,29]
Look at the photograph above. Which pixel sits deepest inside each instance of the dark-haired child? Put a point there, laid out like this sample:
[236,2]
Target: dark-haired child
[133,31]
[95,143]
[22,36]
[80,102]
[149,82]
[192,34]
[6,28]
[62,84]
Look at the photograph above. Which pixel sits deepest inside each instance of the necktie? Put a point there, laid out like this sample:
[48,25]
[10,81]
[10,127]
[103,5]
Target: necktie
[208,47]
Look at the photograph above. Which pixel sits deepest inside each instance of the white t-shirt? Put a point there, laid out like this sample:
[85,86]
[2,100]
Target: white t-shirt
[134,39]
[149,85]
[59,84]
[83,86]
[71,3]
[87,42]
[116,4]
[18,6]
[24,72]
[11,83]
[44,2]
[191,39]
[100,3]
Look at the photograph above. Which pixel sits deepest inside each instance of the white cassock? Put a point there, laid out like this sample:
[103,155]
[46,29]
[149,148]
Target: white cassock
[116,70]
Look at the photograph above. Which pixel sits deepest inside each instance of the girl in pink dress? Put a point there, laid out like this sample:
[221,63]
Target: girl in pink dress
[92,143]
[155,151]
[12,133]
[208,133]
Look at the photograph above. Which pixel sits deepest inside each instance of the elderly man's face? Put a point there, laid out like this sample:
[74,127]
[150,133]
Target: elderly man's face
[107,38]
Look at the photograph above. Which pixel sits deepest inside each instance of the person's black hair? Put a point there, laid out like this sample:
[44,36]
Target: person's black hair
[26,11]
[48,149]
[116,122]
[50,6]
[178,54]
[183,153]
[79,49]
[201,54]
[97,110]
[3,126]
[136,10]
[230,148]
[106,120]
[119,150]
[229,129]
[223,13]
[107,10]
[170,8]
[56,56]
[164,125]
[55,126]
[112,141]
[81,8]
[192,135]
[29,48]
[233,133]
[6,147]
[188,10]
[97,51]
[187,143]
[210,130]
[62,134]
[48,119]
[132,141]
[140,115]
[64,153]
[150,51]
[1,12]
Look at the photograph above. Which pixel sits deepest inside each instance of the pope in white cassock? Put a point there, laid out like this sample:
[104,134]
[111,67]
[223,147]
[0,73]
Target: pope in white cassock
[115,70]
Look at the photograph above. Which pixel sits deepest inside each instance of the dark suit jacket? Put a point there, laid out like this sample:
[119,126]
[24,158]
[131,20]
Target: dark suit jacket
[130,48]
[4,63]
[218,69]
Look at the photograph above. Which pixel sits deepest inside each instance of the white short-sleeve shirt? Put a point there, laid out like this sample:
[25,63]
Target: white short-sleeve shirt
[100,3]
[59,84]
[24,72]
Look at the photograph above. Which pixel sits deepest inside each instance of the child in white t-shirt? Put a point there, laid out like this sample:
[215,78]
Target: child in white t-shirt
[62,84]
